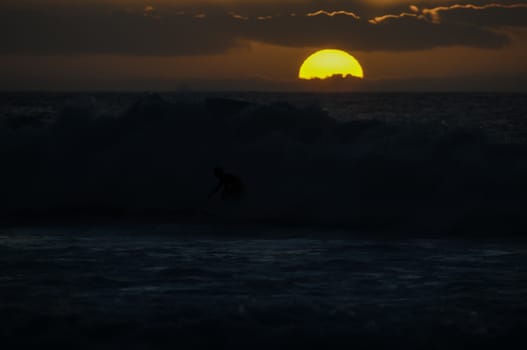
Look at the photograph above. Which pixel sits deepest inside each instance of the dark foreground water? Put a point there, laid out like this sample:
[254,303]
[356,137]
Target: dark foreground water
[210,287]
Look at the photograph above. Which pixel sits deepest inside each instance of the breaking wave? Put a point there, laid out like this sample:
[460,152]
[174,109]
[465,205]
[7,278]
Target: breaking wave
[300,166]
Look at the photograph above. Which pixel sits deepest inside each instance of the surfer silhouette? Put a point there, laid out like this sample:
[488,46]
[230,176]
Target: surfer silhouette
[231,186]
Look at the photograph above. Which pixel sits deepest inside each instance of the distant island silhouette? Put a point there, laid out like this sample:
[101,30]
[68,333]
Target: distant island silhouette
[336,82]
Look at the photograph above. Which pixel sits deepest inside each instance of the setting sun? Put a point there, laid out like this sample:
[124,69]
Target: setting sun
[327,63]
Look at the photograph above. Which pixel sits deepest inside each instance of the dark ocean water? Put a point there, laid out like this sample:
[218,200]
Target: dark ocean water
[313,256]
[197,286]
[502,115]
[434,163]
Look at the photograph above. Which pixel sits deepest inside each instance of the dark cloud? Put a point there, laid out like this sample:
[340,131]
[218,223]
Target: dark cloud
[403,34]
[483,15]
[165,30]
[117,32]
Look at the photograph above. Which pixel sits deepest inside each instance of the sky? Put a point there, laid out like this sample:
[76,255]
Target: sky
[432,45]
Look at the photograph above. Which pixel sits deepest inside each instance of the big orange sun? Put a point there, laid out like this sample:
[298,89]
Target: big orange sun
[327,63]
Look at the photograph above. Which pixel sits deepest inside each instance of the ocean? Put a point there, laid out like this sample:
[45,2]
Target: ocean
[421,163]
[200,286]
[501,115]
[368,220]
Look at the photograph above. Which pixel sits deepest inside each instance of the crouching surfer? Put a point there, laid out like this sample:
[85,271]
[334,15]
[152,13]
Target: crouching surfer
[231,186]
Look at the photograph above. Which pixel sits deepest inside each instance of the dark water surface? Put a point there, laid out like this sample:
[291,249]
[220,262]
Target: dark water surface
[201,287]
[444,164]
[503,116]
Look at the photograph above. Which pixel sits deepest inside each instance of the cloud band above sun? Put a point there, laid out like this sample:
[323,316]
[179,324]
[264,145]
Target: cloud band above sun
[170,30]
[434,14]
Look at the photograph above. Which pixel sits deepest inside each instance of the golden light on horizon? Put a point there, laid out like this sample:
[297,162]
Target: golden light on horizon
[329,62]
